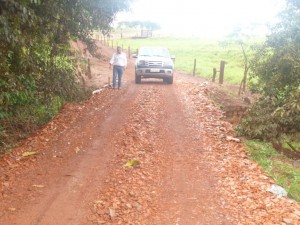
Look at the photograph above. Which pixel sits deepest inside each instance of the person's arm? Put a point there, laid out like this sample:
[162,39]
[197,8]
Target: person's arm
[111,61]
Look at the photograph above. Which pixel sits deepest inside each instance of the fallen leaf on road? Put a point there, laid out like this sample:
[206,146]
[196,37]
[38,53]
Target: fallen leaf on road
[26,154]
[77,150]
[38,186]
[132,163]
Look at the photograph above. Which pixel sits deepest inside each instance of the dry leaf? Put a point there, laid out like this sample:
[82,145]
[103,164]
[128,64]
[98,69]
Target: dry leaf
[77,150]
[132,163]
[26,154]
[38,186]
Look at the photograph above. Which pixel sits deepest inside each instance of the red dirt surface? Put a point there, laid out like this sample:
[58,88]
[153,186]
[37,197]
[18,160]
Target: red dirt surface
[191,171]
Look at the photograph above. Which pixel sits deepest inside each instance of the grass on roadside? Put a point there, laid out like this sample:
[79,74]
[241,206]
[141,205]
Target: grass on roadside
[208,54]
[277,166]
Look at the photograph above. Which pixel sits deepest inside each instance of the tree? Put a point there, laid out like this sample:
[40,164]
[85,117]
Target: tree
[37,66]
[139,24]
[241,39]
[150,25]
[276,73]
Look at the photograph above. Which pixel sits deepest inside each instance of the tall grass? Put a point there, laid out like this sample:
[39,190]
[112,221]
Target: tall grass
[208,54]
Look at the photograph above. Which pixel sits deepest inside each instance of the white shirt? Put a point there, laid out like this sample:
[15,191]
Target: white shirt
[119,59]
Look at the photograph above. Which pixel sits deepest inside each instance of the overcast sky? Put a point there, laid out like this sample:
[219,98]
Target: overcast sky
[203,18]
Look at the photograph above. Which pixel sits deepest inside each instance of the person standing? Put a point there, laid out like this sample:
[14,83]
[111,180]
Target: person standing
[119,62]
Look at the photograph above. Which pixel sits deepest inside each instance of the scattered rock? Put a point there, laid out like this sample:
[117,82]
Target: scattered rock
[288,221]
[277,190]
[137,206]
[112,213]
[229,138]
[98,91]
[297,212]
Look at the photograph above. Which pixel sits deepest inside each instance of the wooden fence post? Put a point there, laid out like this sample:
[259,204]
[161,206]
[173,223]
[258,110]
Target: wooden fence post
[194,71]
[222,68]
[214,74]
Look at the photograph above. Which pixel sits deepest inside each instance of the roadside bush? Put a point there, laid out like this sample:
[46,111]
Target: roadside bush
[270,118]
[276,71]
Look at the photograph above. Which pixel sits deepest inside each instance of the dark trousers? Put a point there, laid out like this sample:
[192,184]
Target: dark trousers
[117,73]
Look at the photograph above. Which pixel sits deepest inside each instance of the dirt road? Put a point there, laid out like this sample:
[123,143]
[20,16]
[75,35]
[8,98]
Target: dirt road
[190,169]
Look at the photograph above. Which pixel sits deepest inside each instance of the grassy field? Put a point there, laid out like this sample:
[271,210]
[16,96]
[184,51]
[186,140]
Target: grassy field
[208,54]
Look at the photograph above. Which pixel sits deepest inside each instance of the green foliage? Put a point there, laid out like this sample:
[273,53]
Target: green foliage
[276,71]
[43,113]
[37,66]
[277,166]
[271,117]
[254,126]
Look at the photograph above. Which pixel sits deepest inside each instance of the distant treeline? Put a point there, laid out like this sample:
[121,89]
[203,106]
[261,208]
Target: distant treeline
[150,25]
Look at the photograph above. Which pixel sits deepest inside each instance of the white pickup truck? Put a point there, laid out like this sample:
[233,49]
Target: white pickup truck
[154,62]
